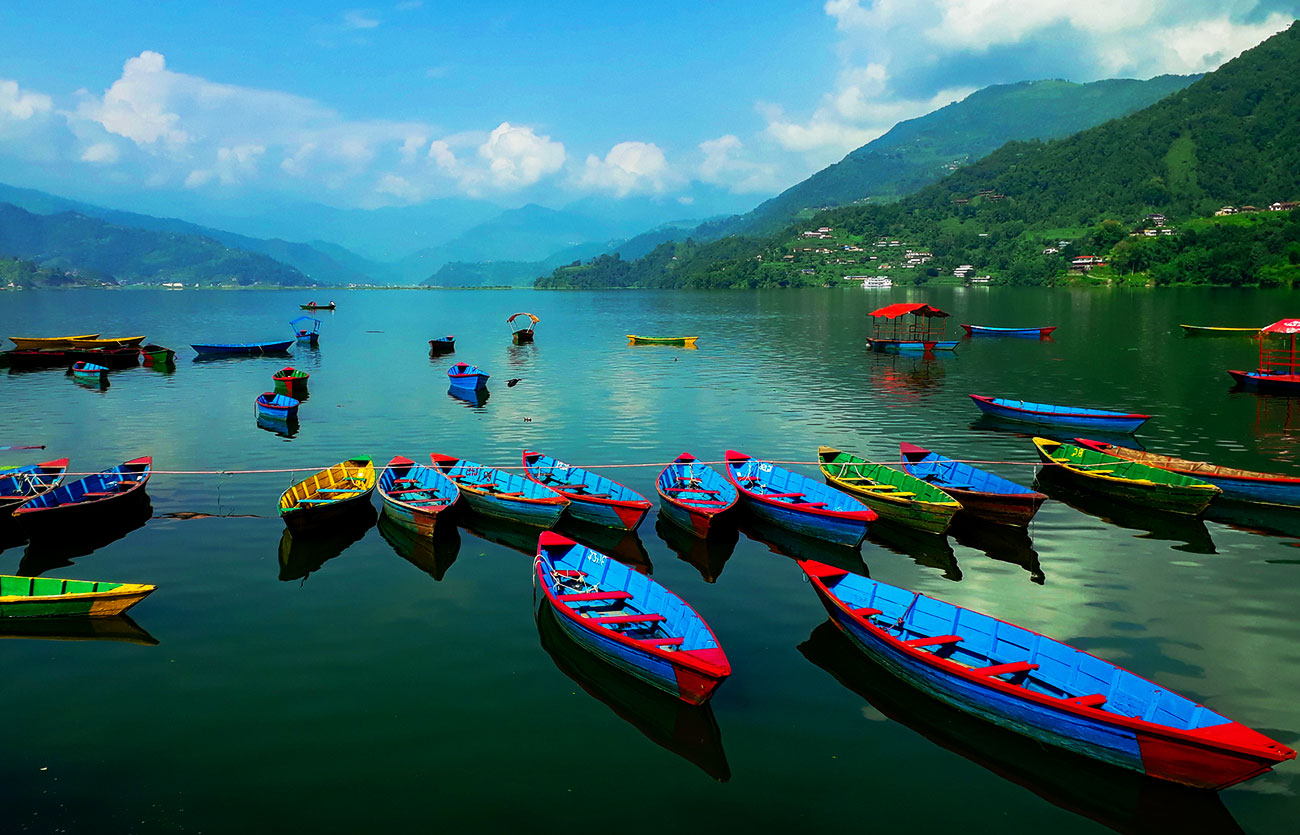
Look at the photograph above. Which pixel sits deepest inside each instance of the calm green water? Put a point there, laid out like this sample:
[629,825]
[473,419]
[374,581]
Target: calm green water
[370,682]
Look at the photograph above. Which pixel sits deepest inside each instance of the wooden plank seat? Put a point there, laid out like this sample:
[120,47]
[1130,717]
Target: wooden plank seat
[1099,472]
[431,500]
[808,504]
[1003,669]
[582,490]
[934,640]
[314,501]
[691,490]
[880,487]
[583,596]
[782,495]
[899,494]
[661,642]
[630,619]
[409,490]
[703,501]
[867,612]
[1092,700]
[99,495]
[336,490]
[405,481]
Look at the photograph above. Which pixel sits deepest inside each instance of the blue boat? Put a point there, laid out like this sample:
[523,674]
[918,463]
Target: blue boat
[1023,333]
[306,329]
[1044,413]
[97,497]
[89,372]
[442,345]
[276,406]
[18,484]
[462,375]
[592,498]
[414,494]
[503,494]
[628,620]
[982,495]
[693,495]
[797,502]
[241,349]
[1041,688]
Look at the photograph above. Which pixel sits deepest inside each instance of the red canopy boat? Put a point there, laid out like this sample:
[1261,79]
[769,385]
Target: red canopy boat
[923,332]
[1279,369]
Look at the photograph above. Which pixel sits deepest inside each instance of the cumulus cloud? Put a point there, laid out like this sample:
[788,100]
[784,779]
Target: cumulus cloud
[17,105]
[509,158]
[359,19]
[628,167]
[725,165]
[101,152]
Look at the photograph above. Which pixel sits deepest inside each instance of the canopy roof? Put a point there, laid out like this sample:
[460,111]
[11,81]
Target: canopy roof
[1286,326]
[529,315]
[305,319]
[893,311]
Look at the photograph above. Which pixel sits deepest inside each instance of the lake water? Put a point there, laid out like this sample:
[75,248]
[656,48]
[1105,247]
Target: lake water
[372,682]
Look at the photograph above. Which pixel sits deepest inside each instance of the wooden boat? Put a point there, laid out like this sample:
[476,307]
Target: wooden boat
[306,329]
[1153,488]
[1238,485]
[895,495]
[462,375]
[521,327]
[157,356]
[89,371]
[276,406]
[93,343]
[18,484]
[982,495]
[797,502]
[1043,413]
[592,498]
[442,345]
[47,343]
[1041,688]
[107,357]
[290,377]
[91,501]
[923,332]
[1023,333]
[1204,330]
[628,620]
[679,341]
[694,495]
[1279,367]
[236,349]
[314,306]
[332,494]
[46,597]
[503,494]
[414,494]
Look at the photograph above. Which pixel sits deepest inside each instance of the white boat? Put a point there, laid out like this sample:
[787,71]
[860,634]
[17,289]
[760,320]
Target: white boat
[877,282]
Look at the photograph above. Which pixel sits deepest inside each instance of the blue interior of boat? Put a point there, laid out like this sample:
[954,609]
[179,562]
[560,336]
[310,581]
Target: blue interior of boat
[697,484]
[790,487]
[945,472]
[1048,408]
[559,475]
[97,486]
[473,476]
[27,480]
[417,484]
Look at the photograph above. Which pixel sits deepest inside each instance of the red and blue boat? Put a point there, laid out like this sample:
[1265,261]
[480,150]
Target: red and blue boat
[924,332]
[1047,414]
[1279,365]
[502,494]
[89,372]
[983,495]
[414,494]
[276,406]
[94,499]
[693,495]
[18,484]
[798,503]
[462,375]
[628,620]
[1041,688]
[592,498]
[1022,333]
[240,349]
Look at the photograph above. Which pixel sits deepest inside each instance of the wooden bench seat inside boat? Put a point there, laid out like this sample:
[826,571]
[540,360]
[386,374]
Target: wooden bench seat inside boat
[661,642]
[936,640]
[1015,667]
[595,595]
[1093,700]
[630,619]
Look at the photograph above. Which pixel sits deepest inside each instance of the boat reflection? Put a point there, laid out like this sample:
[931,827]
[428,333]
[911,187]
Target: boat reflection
[1155,524]
[114,628]
[49,549]
[1115,798]
[922,548]
[283,428]
[512,535]
[520,357]
[906,375]
[305,554]
[1266,520]
[1003,543]
[688,731]
[787,543]
[298,391]
[708,554]
[473,398]
[624,546]
[431,554]
[988,423]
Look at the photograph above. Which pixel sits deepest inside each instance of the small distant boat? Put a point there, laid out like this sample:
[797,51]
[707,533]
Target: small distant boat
[414,494]
[891,332]
[895,495]
[503,494]
[694,495]
[1237,485]
[290,377]
[47,343]
[93,500]
[235,349]
[118,342]
[306,329]
[679,341]
[314,504]
[314,306]
[1279,367]
[89,371]
[442,345]
[1024,333]
[1205,330]
[521,327]
[982,495]
[1118,478]
[276,406]
[797,502]
[1041,688]
[1044,413]
[462,375]
[157,356]
[877,282]
[592,498]
[628,620]
[18,484]
[49,358]
[46,597]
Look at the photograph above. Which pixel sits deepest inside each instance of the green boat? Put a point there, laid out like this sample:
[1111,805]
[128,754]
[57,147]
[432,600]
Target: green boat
[895,495]
[46,597]
[157,356]
[679,341]
[1150,487]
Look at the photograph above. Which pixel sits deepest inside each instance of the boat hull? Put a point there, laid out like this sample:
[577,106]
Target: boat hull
[55,604]
[695,521]
[1171,498]
[543,515]
[1021,333]
[1125,424]
[157,356]
[910,346]
[679,341]
[38,343]
[997,508]
[446,345]
[1203,330]
[250,349]
[837,530]
[1272,383]
[305,521]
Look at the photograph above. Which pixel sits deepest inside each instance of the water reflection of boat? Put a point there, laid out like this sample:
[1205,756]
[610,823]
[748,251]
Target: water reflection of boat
[1122,801]
[1174,527]
[922,548]
[787,543]
[1000,542]
[624,546]
[686,730]
[283,428]
[708,554]
[114,628]
[54,550]
[512,535]
[305,554]
[474,398]
[1256,518]
[988,423]
[906,375]
[431,554]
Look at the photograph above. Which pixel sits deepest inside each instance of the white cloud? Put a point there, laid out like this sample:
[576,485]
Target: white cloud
[518,157]
[136,106]
[359,19]
[21,106]
[199,178]
[101,152]
[628,167]
[722,165]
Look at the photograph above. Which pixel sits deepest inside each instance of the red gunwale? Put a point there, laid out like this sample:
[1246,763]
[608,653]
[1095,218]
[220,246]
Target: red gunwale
[1043,331]
[1011,499]
[417,510]
[1104,448]
[447,462]
[692,658]
[867,515]
[59,463]
[1106,416]
[575,496]
[145,461]
[263,404]
[707,512]
[818,573]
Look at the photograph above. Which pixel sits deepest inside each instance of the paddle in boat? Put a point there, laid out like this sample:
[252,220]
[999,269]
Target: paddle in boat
[982,495]
[1044,413]
[1206,330]
[93,500]
[276,406]
[592,498]
[628,620]
[1118,478]
[314,504]
[503,494]
[1041,688]
[442,345]
[18,484]
[893,494]
[693,495]
[156,356]
[88,372]
[415,494]
[314,306]
[923,332]
[47,343]
[1023,333]
[290,377]
[46,597]
[306,329]
[1279,365]
[462,375]
[679,341]
[521,327]
[796,502]
[1237,485]
[241,349]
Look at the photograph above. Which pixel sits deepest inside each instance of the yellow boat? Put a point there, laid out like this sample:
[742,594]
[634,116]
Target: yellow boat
[119,342]
[331,494]
[1206,330]
[46,597]
[680,341]
[37,343]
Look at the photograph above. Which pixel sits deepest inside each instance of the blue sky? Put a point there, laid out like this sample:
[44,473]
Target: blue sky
[405,102]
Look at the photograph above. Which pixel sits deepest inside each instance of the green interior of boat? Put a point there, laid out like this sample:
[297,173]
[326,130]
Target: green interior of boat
[879,479]
[1102,464]
[49,586]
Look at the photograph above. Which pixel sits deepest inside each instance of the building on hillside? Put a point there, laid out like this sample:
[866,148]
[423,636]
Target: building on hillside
[1085,263]
[1050,250]
[1225,211]
[1284,207]
[964,271]
[1157,219]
